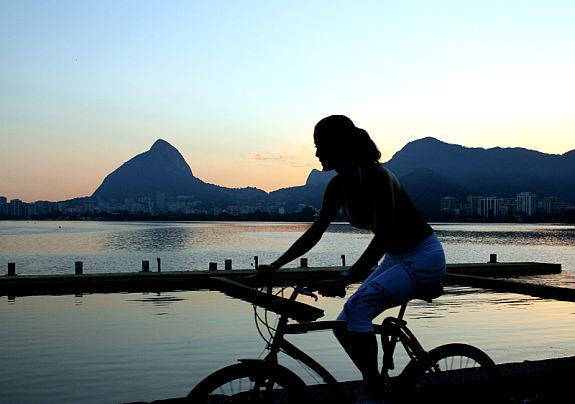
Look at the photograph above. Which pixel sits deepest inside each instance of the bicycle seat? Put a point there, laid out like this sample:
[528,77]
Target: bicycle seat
[430,293]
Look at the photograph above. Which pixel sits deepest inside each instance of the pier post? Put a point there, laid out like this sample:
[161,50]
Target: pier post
[78,267]
[228,265]
[256,261]
[159,264]
[492,258]
[145,266]
[303,263]
[213,266]
[342,260]
[11,269]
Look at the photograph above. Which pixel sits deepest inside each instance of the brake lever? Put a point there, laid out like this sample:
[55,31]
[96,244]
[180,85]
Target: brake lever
[304,290]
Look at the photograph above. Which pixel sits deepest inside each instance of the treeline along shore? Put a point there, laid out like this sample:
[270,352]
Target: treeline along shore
[307,214]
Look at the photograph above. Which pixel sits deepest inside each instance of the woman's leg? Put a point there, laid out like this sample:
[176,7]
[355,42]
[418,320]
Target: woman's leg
[362,349]
[392,283]
[371,299]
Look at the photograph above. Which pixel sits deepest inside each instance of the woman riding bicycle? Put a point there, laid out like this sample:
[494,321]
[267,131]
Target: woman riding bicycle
[371,198]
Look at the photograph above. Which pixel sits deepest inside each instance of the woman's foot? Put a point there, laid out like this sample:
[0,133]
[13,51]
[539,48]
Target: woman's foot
[366,398]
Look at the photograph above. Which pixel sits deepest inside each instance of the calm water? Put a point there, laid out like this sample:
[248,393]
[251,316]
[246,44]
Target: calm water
[122,348]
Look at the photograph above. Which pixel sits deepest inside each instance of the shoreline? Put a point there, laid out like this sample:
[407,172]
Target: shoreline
[534,382]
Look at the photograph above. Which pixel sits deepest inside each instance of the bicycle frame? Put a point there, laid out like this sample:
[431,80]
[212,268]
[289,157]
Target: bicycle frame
[423,371]
[392,331]
[280,344]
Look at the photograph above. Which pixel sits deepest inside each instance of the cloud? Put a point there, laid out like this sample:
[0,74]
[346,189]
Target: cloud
[262,157]
[281,159]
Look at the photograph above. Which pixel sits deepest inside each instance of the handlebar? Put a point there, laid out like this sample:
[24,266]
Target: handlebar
[299,311]
[326,287]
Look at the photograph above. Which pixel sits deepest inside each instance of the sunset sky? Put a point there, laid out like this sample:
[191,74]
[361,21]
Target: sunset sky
[237,86]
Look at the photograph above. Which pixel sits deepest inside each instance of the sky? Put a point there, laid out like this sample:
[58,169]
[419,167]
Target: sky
[237,86]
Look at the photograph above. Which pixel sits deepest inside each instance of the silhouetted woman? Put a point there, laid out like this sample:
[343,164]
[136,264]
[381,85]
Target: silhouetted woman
[371,198]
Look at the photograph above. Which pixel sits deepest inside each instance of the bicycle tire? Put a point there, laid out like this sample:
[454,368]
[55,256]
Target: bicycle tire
[461,369]
[253,381]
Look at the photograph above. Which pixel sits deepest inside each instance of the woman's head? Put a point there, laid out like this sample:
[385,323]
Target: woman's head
[340,143]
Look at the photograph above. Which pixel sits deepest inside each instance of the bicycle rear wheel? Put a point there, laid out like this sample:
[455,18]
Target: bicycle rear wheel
[467,373]
[249,382]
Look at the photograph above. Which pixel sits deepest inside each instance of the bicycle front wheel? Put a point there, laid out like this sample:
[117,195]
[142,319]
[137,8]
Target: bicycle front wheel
[466,372]
[249,382]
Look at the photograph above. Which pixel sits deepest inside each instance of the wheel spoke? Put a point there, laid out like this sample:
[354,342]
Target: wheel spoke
[454,365]
[254,382]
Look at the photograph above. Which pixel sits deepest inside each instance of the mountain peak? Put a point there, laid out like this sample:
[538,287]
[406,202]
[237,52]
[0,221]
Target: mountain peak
[161,145]
[317,177]
[428,139]
[160,169]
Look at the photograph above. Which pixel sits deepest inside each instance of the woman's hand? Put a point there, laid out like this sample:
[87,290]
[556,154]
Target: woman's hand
[266,271]
[263,268]
[332,288]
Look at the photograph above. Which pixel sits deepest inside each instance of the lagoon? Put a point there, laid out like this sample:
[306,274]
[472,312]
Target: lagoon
[139,347]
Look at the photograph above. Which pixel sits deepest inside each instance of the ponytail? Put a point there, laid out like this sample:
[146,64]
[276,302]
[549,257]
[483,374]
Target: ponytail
[365,149]
[341,129]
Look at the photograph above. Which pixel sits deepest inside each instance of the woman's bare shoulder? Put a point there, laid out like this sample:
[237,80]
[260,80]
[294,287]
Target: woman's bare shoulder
[335,181]
[382,169]
[379,171]
[385,178]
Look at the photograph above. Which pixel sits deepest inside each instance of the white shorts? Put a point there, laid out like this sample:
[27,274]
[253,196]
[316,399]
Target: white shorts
[393,282]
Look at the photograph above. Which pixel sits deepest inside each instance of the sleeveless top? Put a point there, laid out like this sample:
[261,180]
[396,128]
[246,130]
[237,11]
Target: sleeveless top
[407,227]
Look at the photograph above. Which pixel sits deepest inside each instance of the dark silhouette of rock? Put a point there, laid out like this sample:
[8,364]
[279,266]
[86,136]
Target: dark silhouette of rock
[497,171]
[160,169]
[428,168]
[310,194]
[163,171]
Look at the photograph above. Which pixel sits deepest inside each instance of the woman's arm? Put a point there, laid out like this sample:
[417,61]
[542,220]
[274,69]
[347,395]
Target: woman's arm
[368,259]
[357,272]
[383,188]
[332,202]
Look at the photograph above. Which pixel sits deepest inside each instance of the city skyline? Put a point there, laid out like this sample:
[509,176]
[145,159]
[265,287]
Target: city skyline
[518,207]
[238,87]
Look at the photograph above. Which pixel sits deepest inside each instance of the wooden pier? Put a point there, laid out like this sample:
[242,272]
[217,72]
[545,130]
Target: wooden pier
[483,275]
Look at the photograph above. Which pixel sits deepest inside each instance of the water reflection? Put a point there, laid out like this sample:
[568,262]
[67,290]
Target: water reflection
[121,247]
[157,299]
[511,234]
[149,239]
[184,236]
[562,235]
[345,228]
[159,302]
[125,346]
[473,299]
[563,238]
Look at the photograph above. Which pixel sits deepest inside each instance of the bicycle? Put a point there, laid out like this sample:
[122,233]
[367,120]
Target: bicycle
[266,380]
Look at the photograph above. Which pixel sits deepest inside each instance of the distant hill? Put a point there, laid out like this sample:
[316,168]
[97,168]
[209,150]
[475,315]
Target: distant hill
[454,170]
[162,169]
[309,194]
[428,168]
